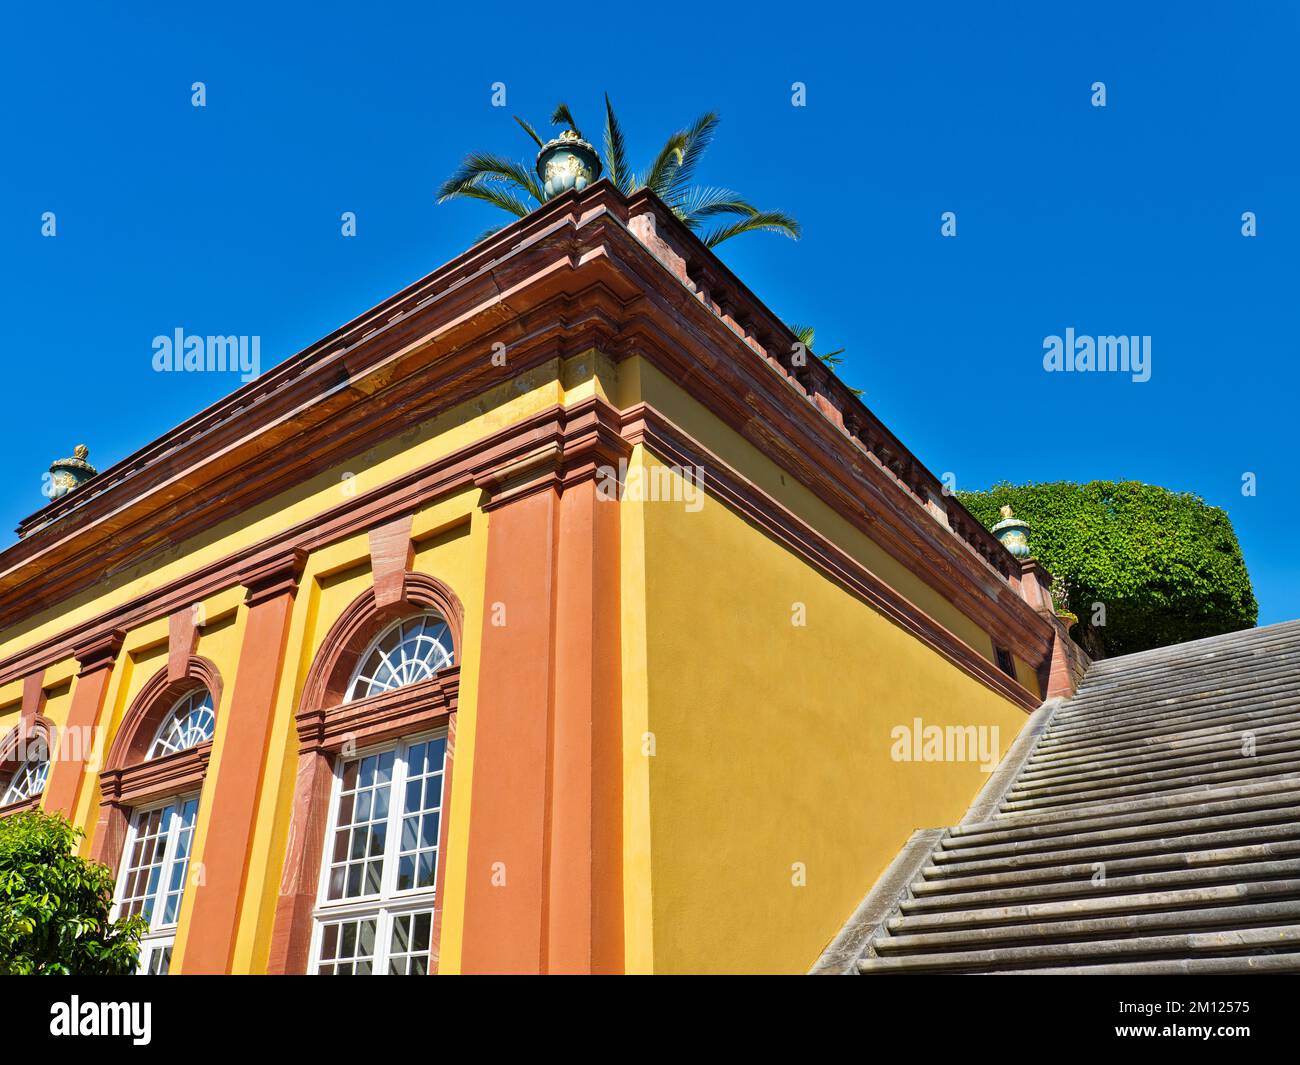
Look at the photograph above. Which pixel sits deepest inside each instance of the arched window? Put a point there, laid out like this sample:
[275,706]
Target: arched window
[27,781]
[25,764]
[189,723]
[376,733]
[407,652]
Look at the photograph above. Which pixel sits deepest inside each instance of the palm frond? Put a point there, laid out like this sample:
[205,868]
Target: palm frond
[479,168]
[615,151]
[805,333]
[492,232]
[562,116]
[530,131]
[494,195]
[698,138]
[771,221]
[665,163]
[707,202]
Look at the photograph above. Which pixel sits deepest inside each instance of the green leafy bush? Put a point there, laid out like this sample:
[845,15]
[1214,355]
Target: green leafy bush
[54,906]
[1165,566]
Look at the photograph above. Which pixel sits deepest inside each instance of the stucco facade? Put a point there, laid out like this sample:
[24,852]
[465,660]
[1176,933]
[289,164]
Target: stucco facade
[668,721]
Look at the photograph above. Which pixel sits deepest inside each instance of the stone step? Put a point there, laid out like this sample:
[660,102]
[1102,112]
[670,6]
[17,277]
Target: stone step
[1099,684]
[1273,821]
[1274,790]
[1212,759]
[1241,964]
[1151,784]
[1179,714]
[1224,942]
[1155,749]
[1174,879]
[1161,691]
[1157,689]
[1098,906]
[1179,653]
[1212,848]
[1114,927]
[1176,721]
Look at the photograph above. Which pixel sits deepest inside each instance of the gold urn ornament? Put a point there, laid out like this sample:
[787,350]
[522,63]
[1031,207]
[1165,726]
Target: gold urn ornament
[568,162]
[1013,532]
[67,474]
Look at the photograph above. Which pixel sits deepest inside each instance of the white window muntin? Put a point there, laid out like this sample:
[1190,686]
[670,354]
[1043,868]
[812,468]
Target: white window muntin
[27,781]
[189,722]
[384,915]
[390,902]
[156,882]
[407,652]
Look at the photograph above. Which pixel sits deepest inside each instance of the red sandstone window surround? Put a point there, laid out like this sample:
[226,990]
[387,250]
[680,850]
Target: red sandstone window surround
[375,725]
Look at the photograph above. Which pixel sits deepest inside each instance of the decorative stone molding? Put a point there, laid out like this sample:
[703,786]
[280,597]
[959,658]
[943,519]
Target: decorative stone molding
[157,778]
[273,576]
[100,653]
[392,555]
[584,440]
[387,716]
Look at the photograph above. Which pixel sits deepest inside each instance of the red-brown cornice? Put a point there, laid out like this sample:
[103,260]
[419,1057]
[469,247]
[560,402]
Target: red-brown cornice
[569,277]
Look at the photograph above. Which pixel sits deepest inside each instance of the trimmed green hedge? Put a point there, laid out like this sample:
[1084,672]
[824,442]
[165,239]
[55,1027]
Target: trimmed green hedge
[1166,566]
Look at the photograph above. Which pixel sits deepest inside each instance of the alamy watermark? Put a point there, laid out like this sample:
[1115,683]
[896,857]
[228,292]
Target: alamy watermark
[919,742]
[180,353]
[652,484]
[1108,354]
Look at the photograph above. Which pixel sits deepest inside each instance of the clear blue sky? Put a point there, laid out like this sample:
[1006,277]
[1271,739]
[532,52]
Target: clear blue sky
[1118,220]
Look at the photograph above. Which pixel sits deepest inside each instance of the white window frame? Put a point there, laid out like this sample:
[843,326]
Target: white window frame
[206,702]
[389,902]
[37,769]
[160,937]
[358,673]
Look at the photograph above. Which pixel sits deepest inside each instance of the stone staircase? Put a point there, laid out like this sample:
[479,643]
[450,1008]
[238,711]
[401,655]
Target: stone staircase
[1154,827]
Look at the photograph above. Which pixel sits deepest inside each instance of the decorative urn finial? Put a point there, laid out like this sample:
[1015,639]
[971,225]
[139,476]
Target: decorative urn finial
[567,162]
[70,473]
[1013,533]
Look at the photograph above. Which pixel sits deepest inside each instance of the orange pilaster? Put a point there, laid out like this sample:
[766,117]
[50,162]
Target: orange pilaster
[543,891]
[269,598]
[78,739]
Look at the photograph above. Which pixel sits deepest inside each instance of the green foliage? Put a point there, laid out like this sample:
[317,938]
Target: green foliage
[54,906]
[513,188]
[1166,566]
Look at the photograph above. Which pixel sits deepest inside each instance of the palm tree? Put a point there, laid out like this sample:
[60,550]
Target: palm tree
[513,187]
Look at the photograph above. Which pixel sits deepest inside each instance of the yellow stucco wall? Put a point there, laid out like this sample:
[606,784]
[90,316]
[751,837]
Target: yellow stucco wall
[761,800]
[774,802]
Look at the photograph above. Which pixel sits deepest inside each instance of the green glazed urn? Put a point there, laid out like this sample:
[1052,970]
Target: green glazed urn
[1014,533]
[568,162]
[67,474]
